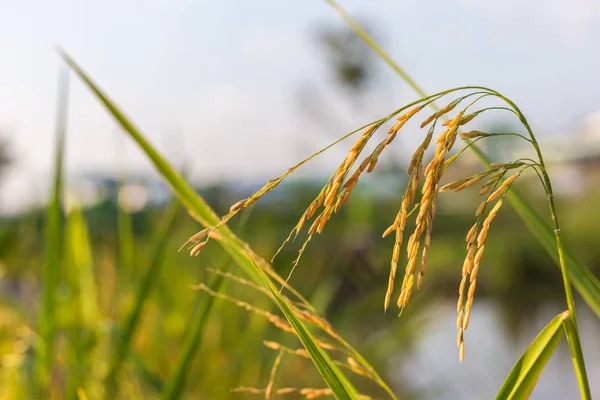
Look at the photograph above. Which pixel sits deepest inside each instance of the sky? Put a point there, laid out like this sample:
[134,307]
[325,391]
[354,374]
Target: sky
[215,84]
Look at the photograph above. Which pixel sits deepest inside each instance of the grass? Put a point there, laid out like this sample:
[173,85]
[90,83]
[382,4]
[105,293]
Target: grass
[337,192]
[53,244]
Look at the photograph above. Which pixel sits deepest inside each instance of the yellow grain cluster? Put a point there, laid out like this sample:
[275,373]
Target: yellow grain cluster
[476,238]
[419,242]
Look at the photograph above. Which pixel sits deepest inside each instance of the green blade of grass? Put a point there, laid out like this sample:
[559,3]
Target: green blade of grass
[577,356]
[147,375]
[239,251]
[78,255]
[336,381]
[123,344]
[583,279]
[53,243]
[524,375]
[184,192]
[176,383]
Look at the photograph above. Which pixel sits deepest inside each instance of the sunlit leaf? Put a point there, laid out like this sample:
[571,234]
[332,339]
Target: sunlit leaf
[524,375]
[53,244]
[239,251]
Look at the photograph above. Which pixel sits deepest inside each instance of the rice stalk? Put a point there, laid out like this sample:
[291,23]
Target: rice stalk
[53,246]
[269,388]
[85,329]
[337,192]
[587,284]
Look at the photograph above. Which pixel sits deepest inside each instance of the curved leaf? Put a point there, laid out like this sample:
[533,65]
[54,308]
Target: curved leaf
[524,375]
[239,251]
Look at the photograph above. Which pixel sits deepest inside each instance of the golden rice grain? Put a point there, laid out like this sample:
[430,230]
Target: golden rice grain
[497,174]
[198,236]
[410,113]
[389,230]
[237,206]
[472,233]
[484,190]
[480,209]
[428,120]
[197,248]
[286,390]
[482,235]
[473,134]
[472,286]
[466,119]
[497,193]
[469,260]
[466,320]
[452,185]
[272,345]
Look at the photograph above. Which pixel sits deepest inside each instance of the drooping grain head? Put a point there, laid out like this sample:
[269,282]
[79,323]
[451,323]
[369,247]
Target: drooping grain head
[424,183]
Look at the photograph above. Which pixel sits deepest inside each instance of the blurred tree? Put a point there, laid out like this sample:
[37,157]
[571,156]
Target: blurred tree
[351,64]
[349,57]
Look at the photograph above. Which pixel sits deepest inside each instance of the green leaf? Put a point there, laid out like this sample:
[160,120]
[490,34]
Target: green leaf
[79,250]
[175,386]
[53,244]
[524,375]
[341,387]
[583,279]
[577,355]
[240,252]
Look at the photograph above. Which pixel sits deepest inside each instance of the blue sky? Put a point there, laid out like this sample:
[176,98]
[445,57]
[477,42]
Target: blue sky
[216,82]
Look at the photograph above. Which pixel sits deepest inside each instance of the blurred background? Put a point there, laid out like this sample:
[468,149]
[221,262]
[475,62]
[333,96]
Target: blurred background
[237,92]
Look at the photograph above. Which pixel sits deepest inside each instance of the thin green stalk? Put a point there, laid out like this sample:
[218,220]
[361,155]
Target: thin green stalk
[176,383]
[79,264]
[573,338]
[159,245]
[53,245]
[373,44]
[577,356]
[524,210]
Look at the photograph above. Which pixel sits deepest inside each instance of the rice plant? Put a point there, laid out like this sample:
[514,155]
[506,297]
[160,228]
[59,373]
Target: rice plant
[337,192]
[101,359]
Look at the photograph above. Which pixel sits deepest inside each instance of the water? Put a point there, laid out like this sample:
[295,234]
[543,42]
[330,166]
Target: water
[434,372]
